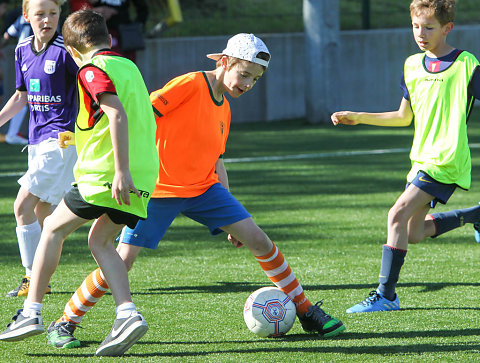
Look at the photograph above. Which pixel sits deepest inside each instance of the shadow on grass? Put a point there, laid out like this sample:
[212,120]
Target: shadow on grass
[246,287]
[235,287]
[338,349]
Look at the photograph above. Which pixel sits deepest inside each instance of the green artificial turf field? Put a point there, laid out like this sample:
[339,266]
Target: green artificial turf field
[325,205]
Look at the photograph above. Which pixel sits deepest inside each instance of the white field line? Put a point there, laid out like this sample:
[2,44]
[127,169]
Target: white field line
[332,154]
[287,157]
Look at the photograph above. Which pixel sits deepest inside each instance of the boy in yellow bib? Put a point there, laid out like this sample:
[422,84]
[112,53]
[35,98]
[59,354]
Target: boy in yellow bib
[440,85]
[115,175]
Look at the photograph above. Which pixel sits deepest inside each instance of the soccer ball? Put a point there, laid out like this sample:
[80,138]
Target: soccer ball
[269,312]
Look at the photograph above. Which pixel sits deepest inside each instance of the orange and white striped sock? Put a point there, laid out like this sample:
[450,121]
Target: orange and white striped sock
[278,270]
[86,296]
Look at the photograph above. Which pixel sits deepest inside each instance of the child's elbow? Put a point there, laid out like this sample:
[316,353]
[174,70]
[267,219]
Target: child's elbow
[407,121]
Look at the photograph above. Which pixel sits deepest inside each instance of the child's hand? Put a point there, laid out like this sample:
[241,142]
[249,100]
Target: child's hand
[344,117]
[122,186]
[234,241]
[66,138]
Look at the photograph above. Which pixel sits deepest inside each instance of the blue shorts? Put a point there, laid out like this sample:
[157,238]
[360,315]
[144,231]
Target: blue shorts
[441,192]
[215,208]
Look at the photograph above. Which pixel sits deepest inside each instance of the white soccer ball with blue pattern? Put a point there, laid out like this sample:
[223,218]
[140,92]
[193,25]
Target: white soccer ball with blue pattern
[269,312]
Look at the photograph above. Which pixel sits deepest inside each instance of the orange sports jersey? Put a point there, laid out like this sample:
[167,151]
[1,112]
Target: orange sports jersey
[192,131]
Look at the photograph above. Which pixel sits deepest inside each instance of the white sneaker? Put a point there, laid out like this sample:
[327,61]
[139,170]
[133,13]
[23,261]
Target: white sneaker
[16,140]
[125,333]
[22,327]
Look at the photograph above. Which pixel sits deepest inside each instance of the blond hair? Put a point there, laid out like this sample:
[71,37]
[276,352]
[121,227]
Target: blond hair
[231,61]
[26,3]
[443,10]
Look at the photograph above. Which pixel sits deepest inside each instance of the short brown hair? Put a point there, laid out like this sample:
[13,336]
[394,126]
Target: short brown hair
[443,10]
[84,29]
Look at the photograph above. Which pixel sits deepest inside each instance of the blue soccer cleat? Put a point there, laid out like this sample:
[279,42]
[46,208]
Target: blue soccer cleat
[476,227]
[375,302]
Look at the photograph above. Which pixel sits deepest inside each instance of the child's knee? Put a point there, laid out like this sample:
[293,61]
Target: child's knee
[129,259]
[24,207]
[21,207]
[259,243]
[52,229]
[414,239]
[397,215]
[128,253]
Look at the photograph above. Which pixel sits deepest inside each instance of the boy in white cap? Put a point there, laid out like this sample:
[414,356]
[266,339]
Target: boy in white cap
[193,121]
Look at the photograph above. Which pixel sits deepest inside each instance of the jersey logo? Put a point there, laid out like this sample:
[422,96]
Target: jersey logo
[24,68]
[424,180]
[89,76]
[49,67]
[34,85]
[435,66]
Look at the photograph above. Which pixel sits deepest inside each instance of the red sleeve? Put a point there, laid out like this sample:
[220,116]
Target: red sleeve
[96,82]
[79,4]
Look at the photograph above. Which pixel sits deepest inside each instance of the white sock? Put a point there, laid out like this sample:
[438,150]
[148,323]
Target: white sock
[28,237]
[30,308]
[125,310]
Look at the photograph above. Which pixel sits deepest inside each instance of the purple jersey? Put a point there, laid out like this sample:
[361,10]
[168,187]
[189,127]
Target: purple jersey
[49,78]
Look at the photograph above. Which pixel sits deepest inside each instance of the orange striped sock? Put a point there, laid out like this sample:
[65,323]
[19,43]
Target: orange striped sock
[86,296]
[278,270]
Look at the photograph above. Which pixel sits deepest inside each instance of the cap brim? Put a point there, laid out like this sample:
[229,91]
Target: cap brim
[215,56]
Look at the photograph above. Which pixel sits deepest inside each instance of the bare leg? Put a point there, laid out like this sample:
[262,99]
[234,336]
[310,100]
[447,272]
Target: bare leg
[56,228]
[128,253]
[420,225]
[101,243]
[412,203]
[405,219]
[251,236]
[42,211]
[24,207]
[95,286]
[271,260]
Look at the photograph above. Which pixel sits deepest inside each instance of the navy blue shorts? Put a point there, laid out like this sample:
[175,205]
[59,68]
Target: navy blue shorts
[442,192]
[215,208]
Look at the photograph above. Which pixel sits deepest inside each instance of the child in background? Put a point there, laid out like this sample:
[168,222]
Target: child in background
[115,176]
[45,80]
[439,87]
[19,29]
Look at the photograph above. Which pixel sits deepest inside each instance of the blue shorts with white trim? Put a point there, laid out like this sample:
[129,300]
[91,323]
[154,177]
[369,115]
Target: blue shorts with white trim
[215,208]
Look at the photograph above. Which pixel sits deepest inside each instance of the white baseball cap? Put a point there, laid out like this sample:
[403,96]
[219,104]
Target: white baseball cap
[244,46]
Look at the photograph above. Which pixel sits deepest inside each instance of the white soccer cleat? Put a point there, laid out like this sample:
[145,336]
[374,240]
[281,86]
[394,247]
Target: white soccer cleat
[22,327]
[125,333]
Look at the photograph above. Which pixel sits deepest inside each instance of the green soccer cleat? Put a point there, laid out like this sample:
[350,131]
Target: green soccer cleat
[60,335]
[317,320]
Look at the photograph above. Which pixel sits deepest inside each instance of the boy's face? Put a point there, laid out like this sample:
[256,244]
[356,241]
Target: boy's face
[429,34]
[241,78]
[43,16]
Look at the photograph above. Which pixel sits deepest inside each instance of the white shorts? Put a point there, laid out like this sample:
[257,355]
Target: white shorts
[50,171]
